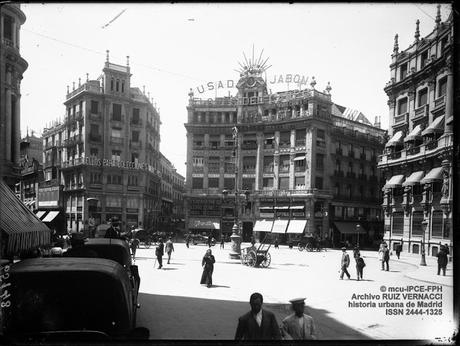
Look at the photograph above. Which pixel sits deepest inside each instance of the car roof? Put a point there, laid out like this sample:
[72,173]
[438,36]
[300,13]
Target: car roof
[114,249]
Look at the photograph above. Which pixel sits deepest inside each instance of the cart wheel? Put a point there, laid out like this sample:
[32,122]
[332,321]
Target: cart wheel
[309,247]
[301,247]
[267,260]
[252,258]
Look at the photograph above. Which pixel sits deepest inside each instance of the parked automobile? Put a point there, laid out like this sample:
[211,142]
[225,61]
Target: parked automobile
[62,299]
[117,250]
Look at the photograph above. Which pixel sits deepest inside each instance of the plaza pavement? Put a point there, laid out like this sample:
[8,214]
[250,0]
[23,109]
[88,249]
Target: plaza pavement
[175,306]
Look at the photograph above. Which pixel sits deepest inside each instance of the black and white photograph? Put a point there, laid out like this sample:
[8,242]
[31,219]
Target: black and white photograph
[191,172]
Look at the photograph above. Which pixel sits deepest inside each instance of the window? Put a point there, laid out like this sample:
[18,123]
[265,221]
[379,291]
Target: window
[398,223]
[248,183]
[197,183]
[403,71]
[94,107]
[111,84]
[135,136]
[116,132]
[94,130]
[135,115]
[442,86]
[299,182]
[116,155]
[117,85]
[319,183]
[8,27]
[319,162]
[283,183]
[436,224]
[422,97]
[284,164]
[113,201]
[229,183]
[402,106]
[135,157]
[338,212]
[93,151]
[132,202]
[417,218]
[114,179]
[116,112]
[249,164]
[268,183]
[423,59]
[123,86]
[198,161]
[213,183]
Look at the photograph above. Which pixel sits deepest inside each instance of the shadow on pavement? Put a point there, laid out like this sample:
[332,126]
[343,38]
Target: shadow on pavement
[168,268]
[212,286]
[187,318]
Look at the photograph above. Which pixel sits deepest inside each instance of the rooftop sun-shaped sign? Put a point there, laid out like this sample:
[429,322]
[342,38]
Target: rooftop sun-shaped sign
[251,66]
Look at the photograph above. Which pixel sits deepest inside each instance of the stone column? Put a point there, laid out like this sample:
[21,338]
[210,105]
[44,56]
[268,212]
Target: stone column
[17,132]
[8,117]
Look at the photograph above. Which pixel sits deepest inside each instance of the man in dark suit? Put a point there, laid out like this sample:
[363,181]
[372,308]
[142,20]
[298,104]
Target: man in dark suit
[257,324]
[159,252]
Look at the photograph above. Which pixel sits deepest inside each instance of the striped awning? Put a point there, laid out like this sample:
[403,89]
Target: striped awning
[414,134]
[434,175]
[395,181]
[414,178]
[296,226]
[40,213]
[263,226]
[435,127]
[279,226]
[395,140]
[25,231]
[51,216]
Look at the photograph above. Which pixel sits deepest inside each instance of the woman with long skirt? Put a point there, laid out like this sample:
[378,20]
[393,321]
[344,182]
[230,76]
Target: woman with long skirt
[208,267]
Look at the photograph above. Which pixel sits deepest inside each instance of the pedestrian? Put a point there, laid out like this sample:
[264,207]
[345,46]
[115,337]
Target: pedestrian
[78,249]
[134,244]
[442,260]
[299,325]
[385,257]
[344,263]
[159,252]
[112,231]
[446,248]
[398,250]
[187,241]
[360,264]
[276,243]
[253,241]
[222,242]
[169,247]
[257,324]
[356,252]
[208,267]
[209,241]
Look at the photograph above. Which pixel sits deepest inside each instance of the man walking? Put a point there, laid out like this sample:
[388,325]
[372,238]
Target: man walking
[169,247]
[222,242]
[257,324]
[345,262]
[187,240]
[359,267]
[385,257]
[442,260]
[159,252]
[299,325]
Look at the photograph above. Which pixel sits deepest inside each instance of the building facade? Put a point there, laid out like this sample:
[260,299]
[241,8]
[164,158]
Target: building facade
[105,154]
[281,157]
[417,162]
[12,67]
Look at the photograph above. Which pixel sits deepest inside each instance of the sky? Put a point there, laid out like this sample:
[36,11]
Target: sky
[176,47]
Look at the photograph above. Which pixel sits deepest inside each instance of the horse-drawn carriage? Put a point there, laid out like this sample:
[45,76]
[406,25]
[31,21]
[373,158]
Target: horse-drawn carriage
[310,243]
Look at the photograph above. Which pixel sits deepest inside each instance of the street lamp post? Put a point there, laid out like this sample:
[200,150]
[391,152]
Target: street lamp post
[358,227]
[423,260]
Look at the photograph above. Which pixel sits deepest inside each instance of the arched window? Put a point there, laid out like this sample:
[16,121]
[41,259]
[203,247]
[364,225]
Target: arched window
[117,85]
[111,84]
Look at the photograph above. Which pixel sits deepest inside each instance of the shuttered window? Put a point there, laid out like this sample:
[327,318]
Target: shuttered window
[398,223]
[436,224]
[417,218]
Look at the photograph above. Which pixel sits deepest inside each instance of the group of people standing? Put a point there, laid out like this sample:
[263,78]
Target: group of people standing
[345,263]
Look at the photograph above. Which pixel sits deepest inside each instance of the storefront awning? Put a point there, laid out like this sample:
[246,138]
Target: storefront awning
[266,208]
[395,140]
[395,181]
[414,134]
[298,158]
[414,178]
[263,226]
[349,228]
[25,231]
[51,216]
[434,175]
[204,224]
[435,127]
[282,207]
[296,226]
[40,213]
[279,226]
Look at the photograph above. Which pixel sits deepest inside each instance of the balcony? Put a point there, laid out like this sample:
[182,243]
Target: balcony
[95,116]
[214,169]
[421,112]
[116,140]
[439,103]
[285,144]
[431,145]
[137,122]
[296,192]
[269,146]
[284,169]
[268,169]
[73,162]
[249,170]
[117,119]
[300,143]
[395,155]
[249,145]
[401,119]
[413,151]
[301,168]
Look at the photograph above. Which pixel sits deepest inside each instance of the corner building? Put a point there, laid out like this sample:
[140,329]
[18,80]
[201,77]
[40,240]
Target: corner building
[417,161]
[12,68]
[297,156]
[105,154]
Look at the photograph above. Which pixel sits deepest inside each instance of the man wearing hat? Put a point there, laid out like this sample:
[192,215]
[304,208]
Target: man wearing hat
[299,325]
[78,249]
[159,252]
[344,263]
[385,257]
